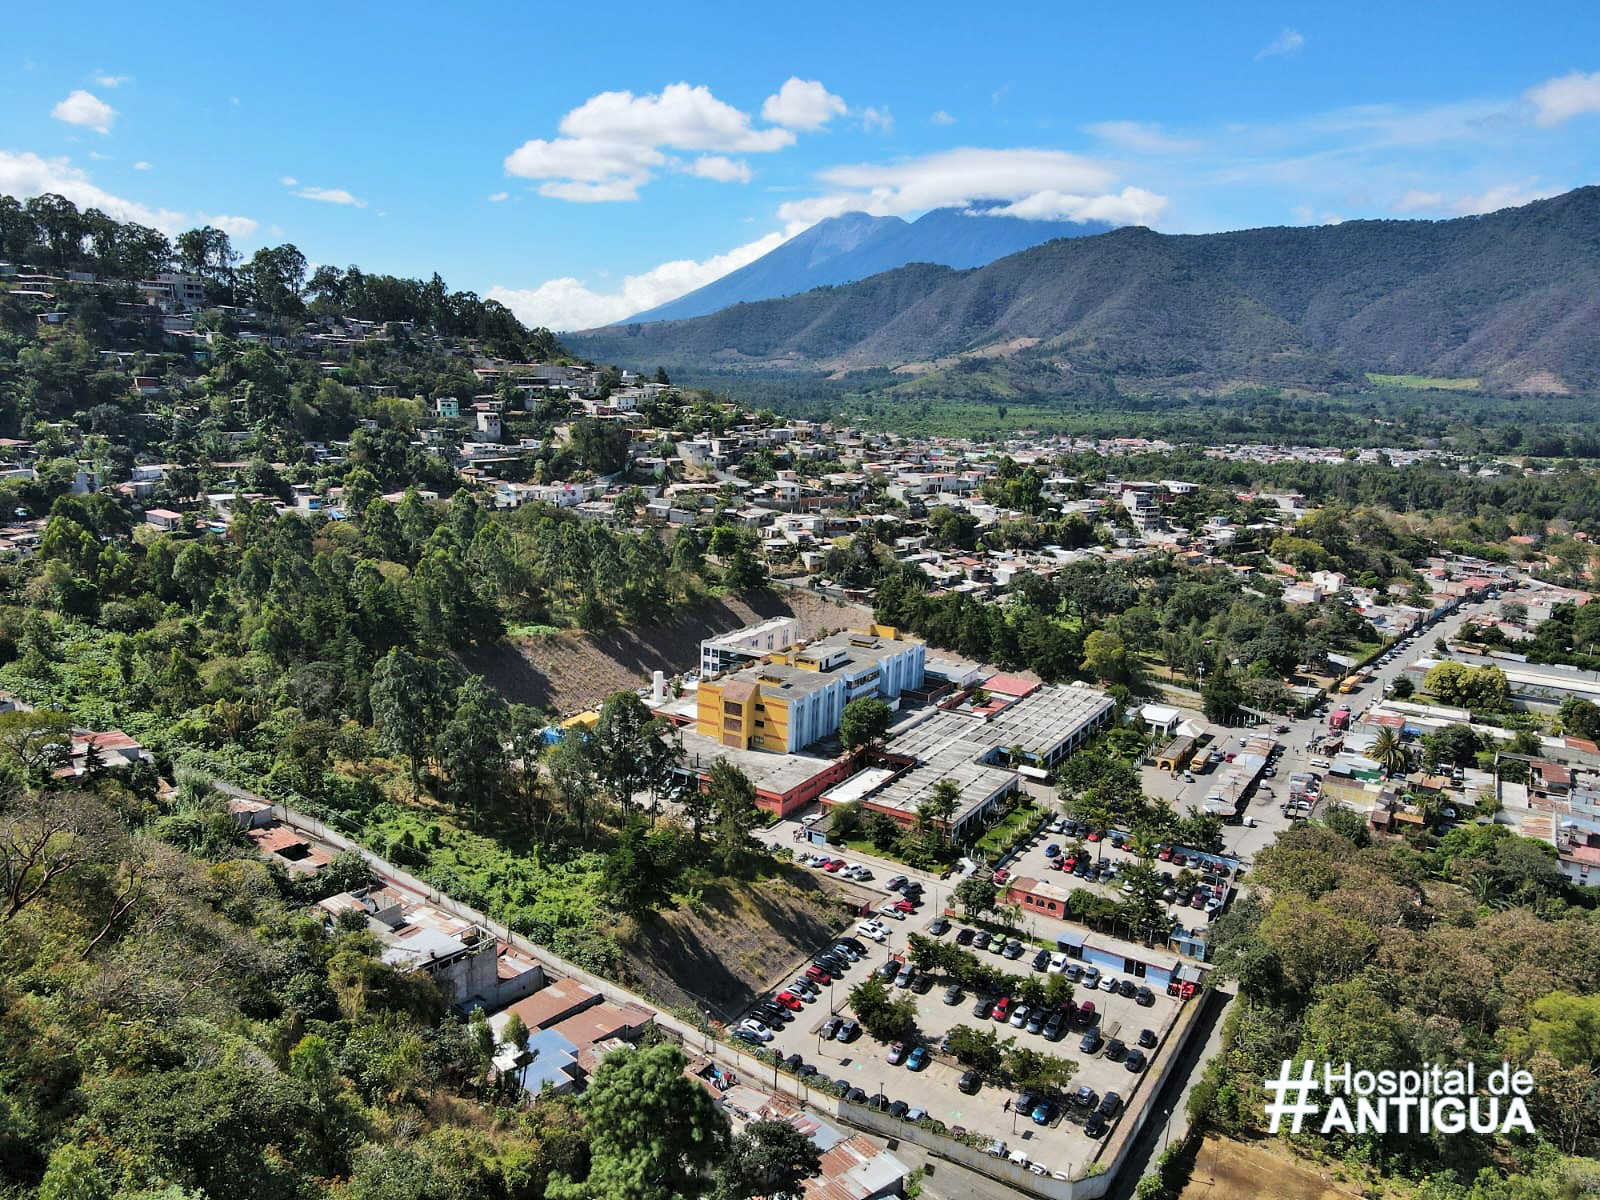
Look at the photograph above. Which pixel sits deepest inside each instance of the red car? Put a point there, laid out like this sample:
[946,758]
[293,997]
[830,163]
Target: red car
[904,906]
[1002,1008]
[1069,862]
[817,975]
[835,865]
[1165,854]
[790,1001]
[1002,875]
[1094,836]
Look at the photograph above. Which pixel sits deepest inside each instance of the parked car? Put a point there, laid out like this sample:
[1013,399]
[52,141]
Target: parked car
[805,987]
[983,1006]
[1127,988]
[1147,1038]
[856,1096]
[830,1028]
[964,936]
[871,929]
[1144,997]
[970,1082]
[1090,1044]
[1094,1125]
[756,1028]
[907,974]
[981,940]
[1085,1097]
[1052,850]
[1135,1060]
[897,1054]
[849,1031]
[749,1035]
[818,975]
[1002,1009]
[1012,949]
[894,913]
[917,1059]
[1109,1104]
[1056,1026]
[939,926]
[1116,1048]
[1042,1112]
[1086,1012]
[1036,1020]
[1091,977]
[1073,972]
[896,882]
[1041,960]
[790,1001]
[1018,1017]
[953,994]
[887,970]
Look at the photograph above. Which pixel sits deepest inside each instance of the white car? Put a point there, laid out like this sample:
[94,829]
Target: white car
[877,933]
[1058,963]
[1108,984]
[1019,1016]
[757,1029]
[889,910]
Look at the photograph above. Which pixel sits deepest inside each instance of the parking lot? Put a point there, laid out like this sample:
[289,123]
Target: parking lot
[1098,866]
[1059,1145]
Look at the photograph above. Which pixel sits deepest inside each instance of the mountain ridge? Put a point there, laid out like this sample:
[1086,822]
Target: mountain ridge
[857,245]
[1508,297]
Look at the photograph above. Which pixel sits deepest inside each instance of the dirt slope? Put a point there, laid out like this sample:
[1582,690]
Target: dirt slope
[571,671]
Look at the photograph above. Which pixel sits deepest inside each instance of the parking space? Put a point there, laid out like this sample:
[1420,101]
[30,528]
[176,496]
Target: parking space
[861,1063]
[1194,885]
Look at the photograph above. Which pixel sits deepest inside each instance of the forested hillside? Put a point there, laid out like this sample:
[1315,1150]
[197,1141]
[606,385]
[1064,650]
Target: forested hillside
[1508,299]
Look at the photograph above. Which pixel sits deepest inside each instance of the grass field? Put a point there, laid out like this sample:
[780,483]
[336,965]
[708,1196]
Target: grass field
[1433,383]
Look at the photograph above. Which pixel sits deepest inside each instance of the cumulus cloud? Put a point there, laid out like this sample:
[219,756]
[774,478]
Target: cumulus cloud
[567,303]
[237,227]
[1557,101]
[26,175]
[1038,184]
[1142,136]
[330,196]
[112,81]
[496,197]
[86,109]
[1417,200]
[141,165]
[1286,42]
[1130,206]
[720,168]
[880,119]
[942,118]
[1471,204]
[614,143]
[802,104]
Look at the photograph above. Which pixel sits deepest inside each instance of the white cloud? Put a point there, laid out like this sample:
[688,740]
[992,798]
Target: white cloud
[877,119]
[802,104]
[289,181]
[1559,100]
[1417,200]
[720,168]
[942,118]
[98,157]
[614,143]
[86,109]
[496,197]
[1039,184]
[234,227]
[330,196]
[111,81]
[568,304]
[141,165]
[25,175]
[1142,136]
[1471,204]
[1286,42]
[1130,206]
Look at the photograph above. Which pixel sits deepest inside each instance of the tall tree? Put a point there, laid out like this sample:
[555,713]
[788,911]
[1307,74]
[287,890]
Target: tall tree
[654,1134]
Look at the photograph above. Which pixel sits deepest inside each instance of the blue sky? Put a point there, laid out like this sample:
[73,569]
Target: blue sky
[583,162]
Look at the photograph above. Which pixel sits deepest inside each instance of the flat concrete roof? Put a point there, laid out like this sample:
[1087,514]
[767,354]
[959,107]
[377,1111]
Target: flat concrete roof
[769,770]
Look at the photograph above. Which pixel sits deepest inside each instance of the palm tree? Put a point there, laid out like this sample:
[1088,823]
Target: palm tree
[1390,753]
